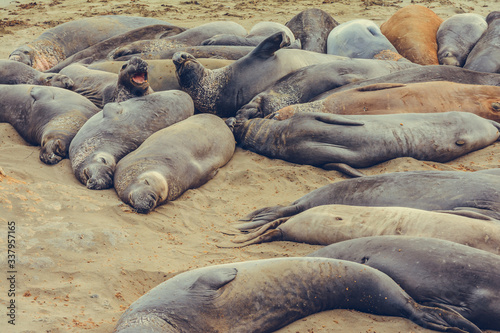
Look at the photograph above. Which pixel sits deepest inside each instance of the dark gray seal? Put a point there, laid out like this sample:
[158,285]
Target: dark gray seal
[119,129]
[262,296]
[456,37]
[458,191]
[180,157]
[341,143]
[15,72]
[311,27]
[434,272]
[484,55]
[45,116]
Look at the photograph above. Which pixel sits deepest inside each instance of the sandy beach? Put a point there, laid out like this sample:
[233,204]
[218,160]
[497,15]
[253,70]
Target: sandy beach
[83,256]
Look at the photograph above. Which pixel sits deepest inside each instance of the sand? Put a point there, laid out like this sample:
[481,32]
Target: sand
[82,256]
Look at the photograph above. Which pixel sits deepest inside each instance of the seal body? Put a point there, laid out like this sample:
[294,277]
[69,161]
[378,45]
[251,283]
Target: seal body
[45,116]
[15,72]
[457,36]
[172,161]
[264,295]
[459,191]
[484,55]
[434,272]
[412,30]
[359,141]
[119,129]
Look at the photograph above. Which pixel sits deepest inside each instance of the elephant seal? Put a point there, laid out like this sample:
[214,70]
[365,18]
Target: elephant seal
[308,82]
[484,55]
[173,160]
[412,30]
[342,143]
[64,40]
[458,191]
[263,295]
[456,37]
[328,224]
[119,129]
[15,72]
[223,91]
[434,272]
[311,27]
[190,37]
[360,38]
[392,98]
[45,116]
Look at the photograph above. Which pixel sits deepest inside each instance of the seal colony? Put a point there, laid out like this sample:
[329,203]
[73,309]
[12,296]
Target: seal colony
[191,182]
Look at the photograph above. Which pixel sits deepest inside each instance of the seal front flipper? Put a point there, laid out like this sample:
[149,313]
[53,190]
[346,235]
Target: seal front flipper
[344,168]
[214,279]
[271,44]
[265,215]
[442,320]
[381,86]
[333,119]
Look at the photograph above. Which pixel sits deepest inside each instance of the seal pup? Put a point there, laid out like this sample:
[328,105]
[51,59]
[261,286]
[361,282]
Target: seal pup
[173,160]
[45,116]
[15,72]
[412,30]
[457,191]
[484,55]
[434,272]
[328,224]
[264,295]
[456,37]
[119,129]
[343,143]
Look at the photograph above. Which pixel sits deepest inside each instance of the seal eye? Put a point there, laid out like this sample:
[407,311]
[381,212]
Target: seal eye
[460,142]
[146,182]
[124,66]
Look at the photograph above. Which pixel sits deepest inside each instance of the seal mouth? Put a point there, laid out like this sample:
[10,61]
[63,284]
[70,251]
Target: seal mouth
[140,78]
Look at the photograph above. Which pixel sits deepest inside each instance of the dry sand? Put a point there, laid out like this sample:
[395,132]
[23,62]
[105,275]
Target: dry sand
[82,256]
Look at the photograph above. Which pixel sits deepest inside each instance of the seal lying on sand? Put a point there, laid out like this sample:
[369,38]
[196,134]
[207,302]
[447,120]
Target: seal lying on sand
[15,72]
[264,295]
[180,157]
[328,224]
[45,116]
[434,272]
[340,143]
[458,191]
[484,56]
[119,129]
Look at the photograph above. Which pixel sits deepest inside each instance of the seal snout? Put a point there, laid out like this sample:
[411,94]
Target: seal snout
[143,201]
[179,58]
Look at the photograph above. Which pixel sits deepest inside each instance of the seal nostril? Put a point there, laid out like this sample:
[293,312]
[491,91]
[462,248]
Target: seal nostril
[495,106]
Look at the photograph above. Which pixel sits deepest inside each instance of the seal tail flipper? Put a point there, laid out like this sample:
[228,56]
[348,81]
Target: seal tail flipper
[260,231]
[442,320]
[269,236]
[344,168]
[271,44]
[265,215]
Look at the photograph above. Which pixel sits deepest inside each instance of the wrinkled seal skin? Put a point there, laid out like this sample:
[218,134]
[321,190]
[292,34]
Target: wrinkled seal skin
[190,37]
[180,157]
[341,143]
[311,27]
[328,224]
[45,116]
[434,272]
[306,83]
[15,72]
[119,129]
[262,296]
[484,56]
[64,40]
[358,38]
[458,191]
[412,30]
[457,36]
[392,98]
[223,91]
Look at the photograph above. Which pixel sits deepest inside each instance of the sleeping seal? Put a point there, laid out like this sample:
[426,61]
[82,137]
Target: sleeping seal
[484,56]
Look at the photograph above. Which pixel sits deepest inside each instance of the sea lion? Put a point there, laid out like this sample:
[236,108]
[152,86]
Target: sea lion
[119,129]
[308,82]
[412,30]
[391,98]
[190,37]
[264,295]
[342,143]
[434,272]
[311,27]
[360,38]
[484,55]
[223,91]
[64,40]
[15,72]
[458,191]
[172,161]
[45,116]
[456,37]
[328,224]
